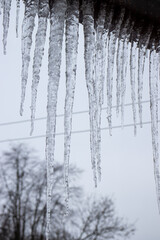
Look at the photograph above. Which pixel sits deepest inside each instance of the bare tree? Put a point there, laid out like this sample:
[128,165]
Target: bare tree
[23,204]
[23,196]
[98,221]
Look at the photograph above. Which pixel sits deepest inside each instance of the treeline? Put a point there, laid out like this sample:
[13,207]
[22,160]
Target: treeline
[23,203]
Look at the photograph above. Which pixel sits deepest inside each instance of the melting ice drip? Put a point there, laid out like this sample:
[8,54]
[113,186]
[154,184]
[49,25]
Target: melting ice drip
[111,27]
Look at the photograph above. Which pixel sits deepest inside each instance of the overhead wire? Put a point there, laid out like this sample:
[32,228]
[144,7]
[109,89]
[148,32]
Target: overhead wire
[62,115]
[73,132]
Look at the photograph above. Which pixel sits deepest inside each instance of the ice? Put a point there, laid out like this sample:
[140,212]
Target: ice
[17,17]
[153,86]
[120,66]
[72,36]
[141,63]
[125,34]
[104,61]
[123,78]
[57,18]
[106,37]
[110,72]
[133,60]
[6,18]
[31,8]
[38,54]
[141,54]
[122,63]
[89,55]
[99,79]
[110,68]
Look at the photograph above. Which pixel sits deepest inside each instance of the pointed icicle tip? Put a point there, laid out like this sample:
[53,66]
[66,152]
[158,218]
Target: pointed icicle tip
[21,110]
[27,32]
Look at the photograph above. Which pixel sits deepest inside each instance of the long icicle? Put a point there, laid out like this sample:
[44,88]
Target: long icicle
[89,55]
[132,79]
[31,8]
[127,33]
[153,86]
[105,37]
[122,60]
[38,54]
[110,68]
[17,17]
[100,77]
[141,63]
[6,19]
[119,73]
[104,61]
[123,78]
[72,36]
[55,52]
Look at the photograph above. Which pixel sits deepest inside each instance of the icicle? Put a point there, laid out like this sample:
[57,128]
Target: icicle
[122,61]
[100,77]
[17,17]
[132,78]
[38,54]
[6,18]
[72,35]
[110,68]
[123,78]
[141,63]
[135,40]
[126,33]
[105,41]
[55,51]
[89,55]
[27,30]
[105,38]
[104,61]
[153,86]
[120,66]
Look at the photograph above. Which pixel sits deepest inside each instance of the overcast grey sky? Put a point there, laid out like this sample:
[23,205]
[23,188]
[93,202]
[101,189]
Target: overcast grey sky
[127,168]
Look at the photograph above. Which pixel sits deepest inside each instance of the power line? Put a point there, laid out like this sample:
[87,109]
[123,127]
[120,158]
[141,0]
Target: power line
[62,115]
[73,132]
